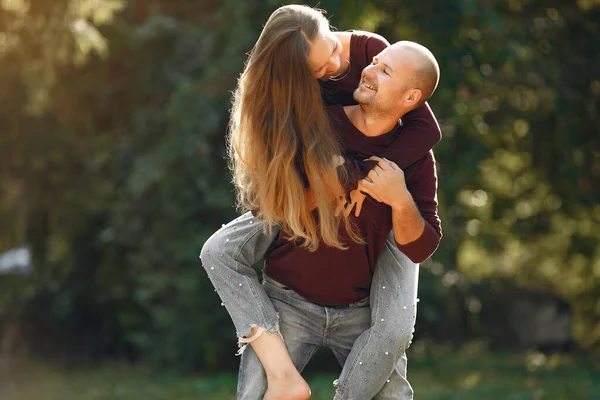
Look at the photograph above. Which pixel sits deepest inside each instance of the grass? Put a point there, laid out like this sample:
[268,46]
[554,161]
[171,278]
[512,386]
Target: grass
[436,373]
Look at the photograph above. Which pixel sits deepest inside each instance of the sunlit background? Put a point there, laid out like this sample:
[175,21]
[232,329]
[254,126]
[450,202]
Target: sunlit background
[112,124]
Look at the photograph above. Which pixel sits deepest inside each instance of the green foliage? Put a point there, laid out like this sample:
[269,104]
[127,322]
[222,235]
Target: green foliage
[126,181]
[112,162]
[518,105]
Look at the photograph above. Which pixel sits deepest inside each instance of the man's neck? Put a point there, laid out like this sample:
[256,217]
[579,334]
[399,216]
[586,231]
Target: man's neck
[369,124]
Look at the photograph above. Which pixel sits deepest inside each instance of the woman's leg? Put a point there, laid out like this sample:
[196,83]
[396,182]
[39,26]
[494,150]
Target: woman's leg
[228,257]
[301,326]
[376,366]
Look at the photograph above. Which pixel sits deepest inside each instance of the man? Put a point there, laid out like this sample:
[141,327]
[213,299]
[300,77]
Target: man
[332,310]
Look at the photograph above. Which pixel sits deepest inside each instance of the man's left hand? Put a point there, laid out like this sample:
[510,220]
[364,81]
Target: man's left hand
[385,183]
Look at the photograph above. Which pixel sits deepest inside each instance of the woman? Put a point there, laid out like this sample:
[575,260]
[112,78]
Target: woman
[281,145]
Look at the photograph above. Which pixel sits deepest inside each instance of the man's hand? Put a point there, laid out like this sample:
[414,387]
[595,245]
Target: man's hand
[385,183]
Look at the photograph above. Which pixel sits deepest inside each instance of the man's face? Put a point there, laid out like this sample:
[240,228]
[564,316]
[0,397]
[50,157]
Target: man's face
[384,82]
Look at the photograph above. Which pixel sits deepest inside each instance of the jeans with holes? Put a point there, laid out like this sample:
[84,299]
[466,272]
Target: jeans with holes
[372,353]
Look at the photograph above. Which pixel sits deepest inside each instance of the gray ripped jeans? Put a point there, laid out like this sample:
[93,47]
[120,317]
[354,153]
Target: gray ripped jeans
[374,367]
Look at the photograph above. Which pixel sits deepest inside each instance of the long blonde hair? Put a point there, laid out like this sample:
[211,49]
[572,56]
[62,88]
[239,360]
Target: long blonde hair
[280,140]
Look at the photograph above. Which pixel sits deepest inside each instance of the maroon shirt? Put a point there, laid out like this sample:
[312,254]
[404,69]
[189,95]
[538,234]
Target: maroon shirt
[330,276]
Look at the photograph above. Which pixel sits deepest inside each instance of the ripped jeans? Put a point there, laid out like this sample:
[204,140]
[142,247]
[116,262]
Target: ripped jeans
[373,367]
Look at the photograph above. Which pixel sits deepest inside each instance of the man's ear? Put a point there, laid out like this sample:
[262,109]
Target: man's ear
[413,97]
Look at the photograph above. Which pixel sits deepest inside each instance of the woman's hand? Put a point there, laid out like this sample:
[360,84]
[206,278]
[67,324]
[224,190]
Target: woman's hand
[356,198]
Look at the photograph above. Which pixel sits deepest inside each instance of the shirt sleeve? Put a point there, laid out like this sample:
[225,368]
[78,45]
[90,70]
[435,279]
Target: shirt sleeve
[420,132]
[421,181]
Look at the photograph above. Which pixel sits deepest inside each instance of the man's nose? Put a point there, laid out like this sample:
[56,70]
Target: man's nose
[370,71]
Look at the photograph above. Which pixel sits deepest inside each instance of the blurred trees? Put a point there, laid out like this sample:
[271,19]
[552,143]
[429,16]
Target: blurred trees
[118,179]
[112,123]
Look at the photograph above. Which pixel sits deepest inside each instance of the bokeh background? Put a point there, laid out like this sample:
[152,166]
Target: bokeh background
[113,173]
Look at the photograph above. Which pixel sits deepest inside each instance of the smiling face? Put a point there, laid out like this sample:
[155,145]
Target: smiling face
[324,55]
[385,82]
[399,79]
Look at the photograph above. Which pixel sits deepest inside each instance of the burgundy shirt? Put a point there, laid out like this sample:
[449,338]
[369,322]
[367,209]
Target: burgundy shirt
[330,276]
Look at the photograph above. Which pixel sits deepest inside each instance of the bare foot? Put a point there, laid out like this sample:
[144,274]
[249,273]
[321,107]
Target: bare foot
[287,388]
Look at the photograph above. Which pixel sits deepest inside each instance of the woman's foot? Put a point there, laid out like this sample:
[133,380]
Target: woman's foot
[292,387]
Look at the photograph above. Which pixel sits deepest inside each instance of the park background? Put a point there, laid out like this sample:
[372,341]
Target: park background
[113,174]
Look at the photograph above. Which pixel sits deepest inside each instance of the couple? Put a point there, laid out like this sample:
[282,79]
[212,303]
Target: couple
[345,276]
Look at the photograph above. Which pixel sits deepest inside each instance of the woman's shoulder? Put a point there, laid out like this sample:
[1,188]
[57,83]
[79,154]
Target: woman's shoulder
[368,36]
[367,45]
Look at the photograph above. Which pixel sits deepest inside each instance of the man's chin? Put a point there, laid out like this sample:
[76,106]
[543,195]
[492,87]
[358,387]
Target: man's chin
[361,97]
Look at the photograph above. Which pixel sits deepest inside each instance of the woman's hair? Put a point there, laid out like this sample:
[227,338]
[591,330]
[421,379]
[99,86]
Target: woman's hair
[280,141]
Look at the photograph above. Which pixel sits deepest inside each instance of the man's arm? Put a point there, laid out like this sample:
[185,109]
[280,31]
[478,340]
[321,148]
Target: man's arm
[407,222]
[413,199]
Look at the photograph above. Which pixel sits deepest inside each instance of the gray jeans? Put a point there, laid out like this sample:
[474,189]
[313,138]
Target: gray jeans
[373,367]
